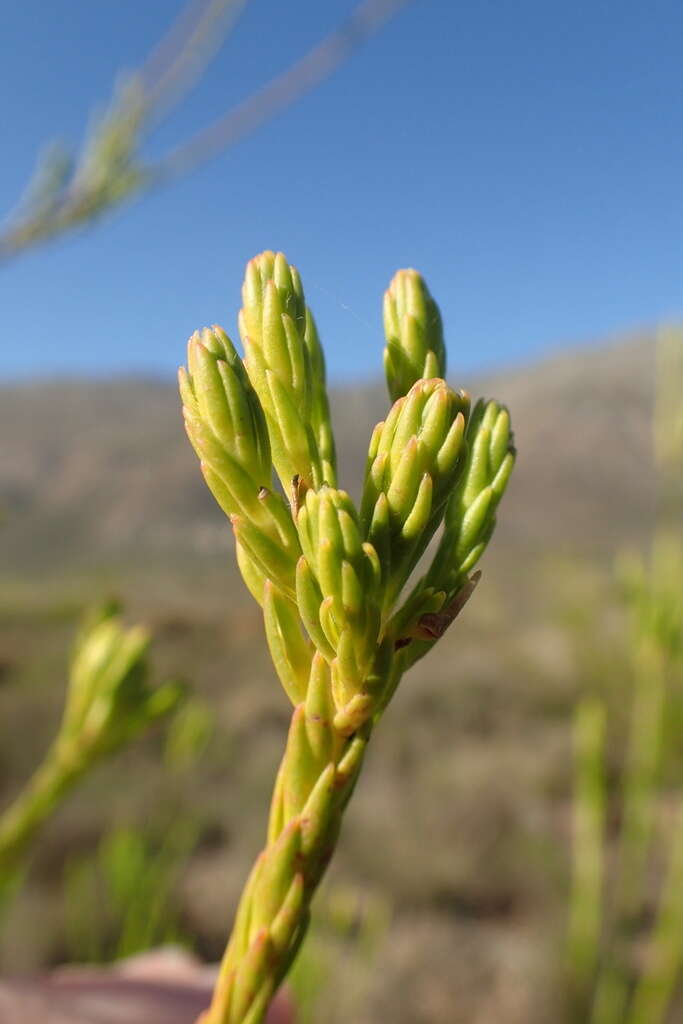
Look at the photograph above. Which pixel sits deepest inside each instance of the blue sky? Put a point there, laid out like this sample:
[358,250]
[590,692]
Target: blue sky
[527,157]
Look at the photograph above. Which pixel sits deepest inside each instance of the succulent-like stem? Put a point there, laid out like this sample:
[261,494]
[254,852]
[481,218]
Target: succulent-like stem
[327,577]
[315,780]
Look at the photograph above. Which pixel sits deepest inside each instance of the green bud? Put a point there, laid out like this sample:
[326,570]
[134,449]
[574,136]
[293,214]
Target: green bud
[320,710]
[316,819]
[274,877]
[254,579]
[311,745]
[251,974]
[346,576]
[287,920]
[109,700]
[320,409]
[284,363]
[348,768]
[288,647]
[471,512]
[224,420]
[227,428]
[269,556]
[262,269]
[309,601]
[414,461]
[415,347]
[303,765]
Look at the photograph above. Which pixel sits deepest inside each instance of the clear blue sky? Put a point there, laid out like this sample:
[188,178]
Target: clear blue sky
[527,157]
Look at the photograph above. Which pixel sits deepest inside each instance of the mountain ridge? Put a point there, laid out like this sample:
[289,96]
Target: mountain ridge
[100,468]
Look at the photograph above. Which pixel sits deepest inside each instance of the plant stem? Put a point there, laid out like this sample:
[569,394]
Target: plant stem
[586,900]
[37,800]
[315,781]
[640,784]
[665,953]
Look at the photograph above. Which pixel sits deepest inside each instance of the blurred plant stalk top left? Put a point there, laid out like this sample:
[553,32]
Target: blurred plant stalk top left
[108,704]
[70,191]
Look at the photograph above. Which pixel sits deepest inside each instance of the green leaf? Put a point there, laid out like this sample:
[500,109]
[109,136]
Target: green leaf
[415,347]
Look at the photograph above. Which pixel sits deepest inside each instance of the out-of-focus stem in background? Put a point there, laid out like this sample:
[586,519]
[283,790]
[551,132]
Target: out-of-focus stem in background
[603,965]
[108,704]
[69,192]
[585,917]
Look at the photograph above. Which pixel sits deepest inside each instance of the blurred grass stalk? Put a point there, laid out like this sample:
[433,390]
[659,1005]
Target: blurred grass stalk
[108,704]
[120,901]
[640,796]
[21,821]
[121,898]
[585,916]
[601,929]
[664,955]
[70,191]
[344,938]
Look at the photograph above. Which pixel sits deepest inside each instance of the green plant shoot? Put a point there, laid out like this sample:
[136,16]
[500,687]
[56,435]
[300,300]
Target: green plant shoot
[331,578]
[108,703]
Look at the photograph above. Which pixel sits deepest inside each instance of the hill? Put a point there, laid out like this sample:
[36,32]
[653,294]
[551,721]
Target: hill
[101,472]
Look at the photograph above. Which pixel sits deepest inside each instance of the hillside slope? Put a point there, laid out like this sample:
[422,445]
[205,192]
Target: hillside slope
[101,470]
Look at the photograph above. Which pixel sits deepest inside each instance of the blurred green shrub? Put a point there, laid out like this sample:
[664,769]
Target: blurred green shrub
[108,704]
[625,939]
[121,901]
[346,935]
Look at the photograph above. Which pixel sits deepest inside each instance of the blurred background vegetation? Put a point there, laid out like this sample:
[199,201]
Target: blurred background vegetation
[449,897]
